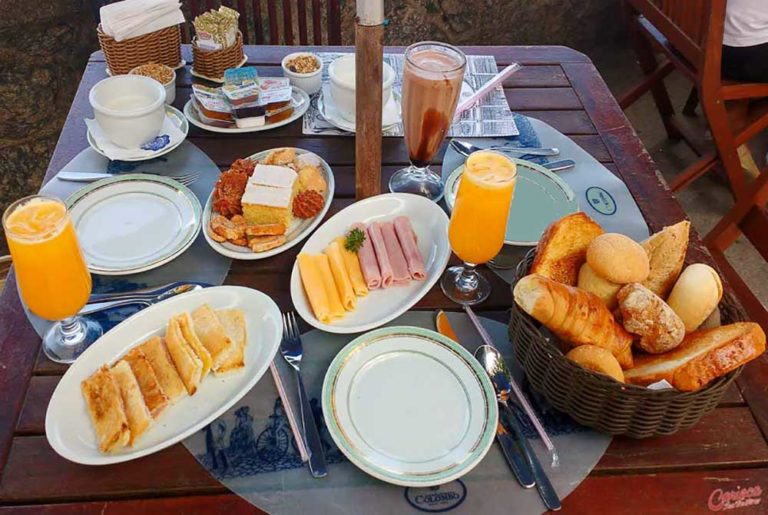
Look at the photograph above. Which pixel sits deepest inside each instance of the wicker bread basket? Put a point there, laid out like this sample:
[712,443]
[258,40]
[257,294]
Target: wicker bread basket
[162,46]
[597,401]
[212,64]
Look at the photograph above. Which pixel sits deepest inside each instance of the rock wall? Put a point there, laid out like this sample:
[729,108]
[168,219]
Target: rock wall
[45,44]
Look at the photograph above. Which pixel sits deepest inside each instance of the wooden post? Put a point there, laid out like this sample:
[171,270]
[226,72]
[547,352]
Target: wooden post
[369,54]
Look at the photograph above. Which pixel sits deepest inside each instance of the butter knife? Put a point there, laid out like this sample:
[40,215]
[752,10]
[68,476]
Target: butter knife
[144,297]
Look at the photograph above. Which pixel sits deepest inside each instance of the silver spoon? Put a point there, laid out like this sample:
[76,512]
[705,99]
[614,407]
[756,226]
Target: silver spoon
[466,148]
[493,362]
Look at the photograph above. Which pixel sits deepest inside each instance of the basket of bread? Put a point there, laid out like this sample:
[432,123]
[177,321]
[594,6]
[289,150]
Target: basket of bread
[626,337]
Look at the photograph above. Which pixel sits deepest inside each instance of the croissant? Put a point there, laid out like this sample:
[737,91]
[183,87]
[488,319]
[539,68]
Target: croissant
[574,315]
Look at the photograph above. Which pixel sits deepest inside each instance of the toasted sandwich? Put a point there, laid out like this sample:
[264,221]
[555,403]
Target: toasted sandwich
[154,396]
[139,418]
[105,406]
[233,321]
[213,335]
[189,366]
[185,325]
[156,353]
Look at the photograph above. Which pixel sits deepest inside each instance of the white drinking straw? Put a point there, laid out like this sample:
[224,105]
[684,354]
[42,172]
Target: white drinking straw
[485,89]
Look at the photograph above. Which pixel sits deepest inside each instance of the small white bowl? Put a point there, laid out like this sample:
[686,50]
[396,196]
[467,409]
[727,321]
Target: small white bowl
[129,108]
[342,75]
[309,82]
[170,86]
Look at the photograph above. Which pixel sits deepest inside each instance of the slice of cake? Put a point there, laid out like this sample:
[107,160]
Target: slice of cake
[268,197]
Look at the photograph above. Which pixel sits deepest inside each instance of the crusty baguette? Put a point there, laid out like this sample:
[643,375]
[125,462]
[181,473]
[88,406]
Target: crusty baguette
[574,315]
[154,396]
[213,335]
[189,366]
[563,246]
[139,418]
[233,321]
[702,357]
[666,254]
[184,322]
[105,406]
[167,375]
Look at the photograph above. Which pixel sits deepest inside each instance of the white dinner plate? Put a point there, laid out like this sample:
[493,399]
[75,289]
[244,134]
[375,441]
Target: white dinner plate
[298,230]
[176,118]
[67,423]
[409,406]
[134,222]
[380,306]
[300,101]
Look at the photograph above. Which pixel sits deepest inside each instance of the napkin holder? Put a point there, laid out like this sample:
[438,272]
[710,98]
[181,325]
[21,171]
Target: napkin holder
[161,46]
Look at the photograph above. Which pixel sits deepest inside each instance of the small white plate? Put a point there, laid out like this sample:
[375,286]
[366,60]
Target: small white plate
[67,423]
[176,118]
[298,230]
[390,114]
[409,406]
[134,222]
[300,101]
[380,306]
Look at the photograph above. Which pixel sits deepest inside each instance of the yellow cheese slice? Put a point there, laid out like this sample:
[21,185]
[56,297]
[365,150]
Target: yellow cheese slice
[354,272]
[313,287]
[334,302]
[340,276]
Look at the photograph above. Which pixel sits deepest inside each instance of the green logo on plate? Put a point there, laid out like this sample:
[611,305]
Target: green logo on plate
[600,200]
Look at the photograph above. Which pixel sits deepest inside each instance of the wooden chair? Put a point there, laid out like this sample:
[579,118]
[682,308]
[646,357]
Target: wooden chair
[272,22]
[689,34]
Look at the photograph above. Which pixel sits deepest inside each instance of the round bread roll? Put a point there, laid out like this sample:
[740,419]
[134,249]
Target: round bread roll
[603,288]
[618,259]
[695,295]
[597,359]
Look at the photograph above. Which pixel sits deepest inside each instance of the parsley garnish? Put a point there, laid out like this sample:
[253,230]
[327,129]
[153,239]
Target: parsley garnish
[354,240]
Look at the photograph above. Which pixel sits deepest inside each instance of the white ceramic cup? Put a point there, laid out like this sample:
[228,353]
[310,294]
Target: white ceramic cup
[129,109]
[309,82]
[342,75]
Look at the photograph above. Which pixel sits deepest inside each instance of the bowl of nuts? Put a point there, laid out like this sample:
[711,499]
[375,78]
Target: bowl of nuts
[163,74]
[304,70]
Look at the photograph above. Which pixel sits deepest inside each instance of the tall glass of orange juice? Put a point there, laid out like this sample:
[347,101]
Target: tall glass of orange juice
[51,273]
[478,223]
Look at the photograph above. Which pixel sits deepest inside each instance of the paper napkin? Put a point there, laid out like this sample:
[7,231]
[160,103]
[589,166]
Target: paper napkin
[170,135]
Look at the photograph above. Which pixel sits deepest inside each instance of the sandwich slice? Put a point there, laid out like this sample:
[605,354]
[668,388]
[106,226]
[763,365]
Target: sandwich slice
[136,411]
[158,357]
[189,366]
[154,396]
[702,357]
[105,406]
[211,332]
[233,321]
[184,322]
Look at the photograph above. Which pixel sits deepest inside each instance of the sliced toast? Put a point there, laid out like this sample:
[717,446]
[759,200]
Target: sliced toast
[154,396]
[157,354]
[563,246]
[105,406]
[188,364]
[233,321]
[136,411]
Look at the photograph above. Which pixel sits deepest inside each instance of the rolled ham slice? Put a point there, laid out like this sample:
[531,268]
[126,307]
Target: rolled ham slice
[407,238]
[400,274]
[380,248]
[367,258]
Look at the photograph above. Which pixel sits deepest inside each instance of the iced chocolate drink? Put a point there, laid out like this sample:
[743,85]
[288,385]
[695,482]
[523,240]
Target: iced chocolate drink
[432,81]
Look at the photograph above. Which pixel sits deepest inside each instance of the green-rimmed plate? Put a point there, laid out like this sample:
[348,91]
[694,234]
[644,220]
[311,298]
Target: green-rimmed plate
[409,406]
[134,222]
[541,197]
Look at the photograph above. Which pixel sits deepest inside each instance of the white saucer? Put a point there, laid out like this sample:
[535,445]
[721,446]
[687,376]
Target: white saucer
[390,114]
[176,118]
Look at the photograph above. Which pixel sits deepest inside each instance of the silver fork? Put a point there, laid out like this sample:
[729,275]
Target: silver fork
[185,179]
[292,352]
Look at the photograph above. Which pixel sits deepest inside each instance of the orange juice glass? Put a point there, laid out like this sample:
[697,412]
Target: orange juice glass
[51,273]
[478,223]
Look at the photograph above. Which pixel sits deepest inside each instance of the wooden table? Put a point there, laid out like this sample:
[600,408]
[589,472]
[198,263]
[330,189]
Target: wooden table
[674,474]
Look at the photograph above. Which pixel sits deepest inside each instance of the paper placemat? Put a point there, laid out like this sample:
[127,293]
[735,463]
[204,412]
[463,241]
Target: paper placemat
[199,263]
[490,117]
[251,450]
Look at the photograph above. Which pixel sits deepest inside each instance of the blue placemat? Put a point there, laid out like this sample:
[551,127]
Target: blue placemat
[199,263]
[251,449]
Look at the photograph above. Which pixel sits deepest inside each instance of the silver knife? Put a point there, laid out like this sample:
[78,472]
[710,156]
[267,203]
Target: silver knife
[144,297]
[83,176]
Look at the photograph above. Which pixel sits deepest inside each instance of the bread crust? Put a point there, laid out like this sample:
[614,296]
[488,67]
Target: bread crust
[696,294]
[645,314]
[603,288]
[618,259]
[666,254]
[562,247]
[105,406]
[597,359]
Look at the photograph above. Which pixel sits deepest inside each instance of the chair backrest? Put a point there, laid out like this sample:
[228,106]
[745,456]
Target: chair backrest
[694,28]
[272,22]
